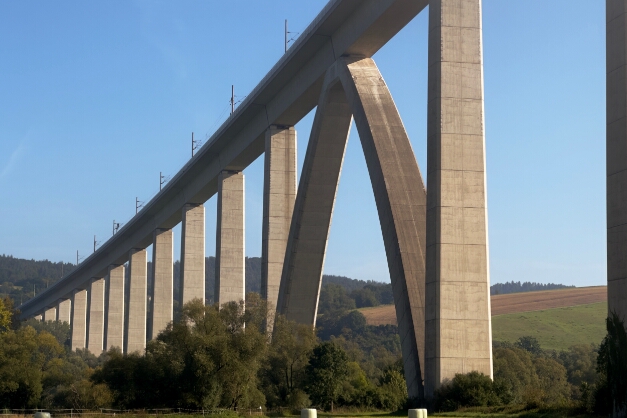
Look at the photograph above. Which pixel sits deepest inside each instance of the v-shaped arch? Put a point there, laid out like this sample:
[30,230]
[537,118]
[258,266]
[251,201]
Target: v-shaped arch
[354,87]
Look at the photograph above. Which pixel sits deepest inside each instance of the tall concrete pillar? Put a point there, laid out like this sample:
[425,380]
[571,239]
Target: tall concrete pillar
[457,311]
[162,289]
[115,307]
[279,193]
[192,254]
[50,314]
[136,322]
[230,274]
[78,326]
[616,108]
[95,321]
[64,310]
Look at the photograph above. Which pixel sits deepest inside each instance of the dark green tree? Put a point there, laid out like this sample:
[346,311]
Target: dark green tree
[334,300]
[472,389]
[529,344]
[284,370]
[612,366]
[364,298]
[326,371]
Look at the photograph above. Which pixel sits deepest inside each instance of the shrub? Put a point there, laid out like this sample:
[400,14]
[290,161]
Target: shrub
[471,389]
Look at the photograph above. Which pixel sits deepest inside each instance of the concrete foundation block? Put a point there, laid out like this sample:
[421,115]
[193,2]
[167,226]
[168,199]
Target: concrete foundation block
[308,413]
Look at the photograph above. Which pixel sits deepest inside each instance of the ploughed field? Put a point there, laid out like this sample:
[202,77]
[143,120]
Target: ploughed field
[557,318]
[511,303]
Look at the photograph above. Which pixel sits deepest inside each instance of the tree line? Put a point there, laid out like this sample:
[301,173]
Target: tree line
[208,358]
[224,358]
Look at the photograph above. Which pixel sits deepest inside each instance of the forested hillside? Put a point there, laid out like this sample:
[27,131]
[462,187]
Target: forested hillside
[20,278]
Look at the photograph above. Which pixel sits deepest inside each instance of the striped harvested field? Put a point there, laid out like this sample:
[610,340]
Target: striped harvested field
[512,303]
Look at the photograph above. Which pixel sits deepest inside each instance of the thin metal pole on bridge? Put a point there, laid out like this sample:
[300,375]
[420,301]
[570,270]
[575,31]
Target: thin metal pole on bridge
[232,99]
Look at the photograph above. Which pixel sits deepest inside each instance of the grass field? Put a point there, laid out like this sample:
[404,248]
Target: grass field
[555,329]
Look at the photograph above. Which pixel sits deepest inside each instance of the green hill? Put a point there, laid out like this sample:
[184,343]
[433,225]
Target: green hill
[555,329]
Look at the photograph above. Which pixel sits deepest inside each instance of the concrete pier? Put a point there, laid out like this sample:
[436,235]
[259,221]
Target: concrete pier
[137,289]
[163,281]
[279,193]
[95,321]
[230,274]
[313,208]
[192,254]
[64,310]
[458,329]
[39,317]
[115,307]
[616,142]
[50,314]
[78,326]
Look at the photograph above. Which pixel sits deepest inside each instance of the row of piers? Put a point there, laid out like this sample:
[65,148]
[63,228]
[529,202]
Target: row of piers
[112,311]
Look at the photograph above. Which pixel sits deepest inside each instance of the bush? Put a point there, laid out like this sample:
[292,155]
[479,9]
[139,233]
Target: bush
[611,393]
[471,389]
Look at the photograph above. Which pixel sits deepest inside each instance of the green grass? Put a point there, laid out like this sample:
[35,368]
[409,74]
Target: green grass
[555,329]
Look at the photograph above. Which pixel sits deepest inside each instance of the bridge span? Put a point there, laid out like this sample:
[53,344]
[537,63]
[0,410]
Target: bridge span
[435,237]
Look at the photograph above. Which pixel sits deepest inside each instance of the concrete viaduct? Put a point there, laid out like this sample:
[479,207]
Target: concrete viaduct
[435,237]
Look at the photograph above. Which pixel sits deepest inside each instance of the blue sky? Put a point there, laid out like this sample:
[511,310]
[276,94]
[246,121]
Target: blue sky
[97,98]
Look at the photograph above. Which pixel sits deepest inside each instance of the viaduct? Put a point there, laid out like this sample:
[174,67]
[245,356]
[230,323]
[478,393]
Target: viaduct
[435,237]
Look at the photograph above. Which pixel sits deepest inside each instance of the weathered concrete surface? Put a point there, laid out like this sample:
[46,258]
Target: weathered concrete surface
[192,253]
[136,321]
[115,307]
[95,321]
[458,329]
[163,282]
[39,317]
[50,314]
[286,94]
[313,208]
[64,310]
[230,274]
[78,326]
[401,200]
[279,193]
[616,79]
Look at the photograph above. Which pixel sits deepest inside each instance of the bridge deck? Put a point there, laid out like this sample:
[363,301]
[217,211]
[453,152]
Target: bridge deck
[284,96]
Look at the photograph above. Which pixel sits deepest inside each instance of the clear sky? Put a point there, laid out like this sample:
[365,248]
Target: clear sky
[97,98]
